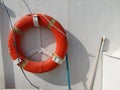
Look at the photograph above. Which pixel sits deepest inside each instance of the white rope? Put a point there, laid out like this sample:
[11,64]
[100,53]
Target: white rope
[53,25]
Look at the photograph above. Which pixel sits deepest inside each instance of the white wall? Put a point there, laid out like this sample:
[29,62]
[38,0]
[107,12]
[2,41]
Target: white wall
[2,85]
[85,20]
[111,73]
[7,64]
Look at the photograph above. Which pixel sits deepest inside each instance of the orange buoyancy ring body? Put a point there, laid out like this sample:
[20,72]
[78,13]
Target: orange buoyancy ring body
[27,22]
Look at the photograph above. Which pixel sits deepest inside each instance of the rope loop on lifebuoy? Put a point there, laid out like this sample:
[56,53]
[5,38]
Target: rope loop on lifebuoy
[37,20]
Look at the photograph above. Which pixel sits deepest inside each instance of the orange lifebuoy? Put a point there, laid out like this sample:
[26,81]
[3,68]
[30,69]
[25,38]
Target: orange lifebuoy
[27,22]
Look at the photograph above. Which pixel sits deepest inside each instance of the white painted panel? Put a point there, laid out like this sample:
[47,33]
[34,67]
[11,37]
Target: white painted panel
[86,21]
[2,81]
[30,42]
[8,65]
[111,73]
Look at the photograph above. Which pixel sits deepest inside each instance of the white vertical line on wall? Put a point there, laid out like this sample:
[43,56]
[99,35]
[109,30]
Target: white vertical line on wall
[68,27]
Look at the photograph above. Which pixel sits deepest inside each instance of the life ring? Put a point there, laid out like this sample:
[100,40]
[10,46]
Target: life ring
[35,20]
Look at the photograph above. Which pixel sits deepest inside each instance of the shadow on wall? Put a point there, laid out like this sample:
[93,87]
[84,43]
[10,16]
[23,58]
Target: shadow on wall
[78,62]
[106,45]
[8,65]
[9,10]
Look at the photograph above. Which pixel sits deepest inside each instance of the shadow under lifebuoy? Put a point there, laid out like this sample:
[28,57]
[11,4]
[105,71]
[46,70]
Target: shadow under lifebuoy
[79,64]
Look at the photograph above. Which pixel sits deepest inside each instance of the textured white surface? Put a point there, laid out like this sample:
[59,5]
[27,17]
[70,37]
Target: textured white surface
[111,73]
[85,20]
[116,53]
[2,82]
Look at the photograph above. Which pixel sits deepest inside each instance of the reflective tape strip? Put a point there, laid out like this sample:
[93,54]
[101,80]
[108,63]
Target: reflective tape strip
[57,59]
[35,21]
[17,61]
[22,65]
[16,30]
[51,22]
